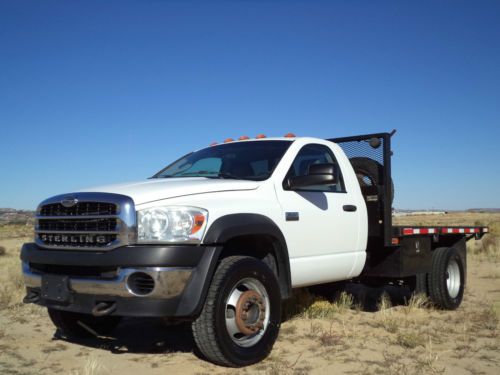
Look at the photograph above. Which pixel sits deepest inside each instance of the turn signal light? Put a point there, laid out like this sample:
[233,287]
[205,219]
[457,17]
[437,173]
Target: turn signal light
[198,222]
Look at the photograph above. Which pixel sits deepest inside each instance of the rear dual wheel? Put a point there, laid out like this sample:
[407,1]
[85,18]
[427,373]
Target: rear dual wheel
[419,284]
[445,284]
[447,278]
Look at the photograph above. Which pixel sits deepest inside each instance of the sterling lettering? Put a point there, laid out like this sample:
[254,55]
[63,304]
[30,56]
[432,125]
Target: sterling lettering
[78,239]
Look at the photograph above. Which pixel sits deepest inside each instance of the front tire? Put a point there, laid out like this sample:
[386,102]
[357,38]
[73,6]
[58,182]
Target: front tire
[240,320]
[447,278]
[77,325]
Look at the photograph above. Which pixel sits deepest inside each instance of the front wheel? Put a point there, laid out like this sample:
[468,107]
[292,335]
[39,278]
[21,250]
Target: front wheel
[240,320]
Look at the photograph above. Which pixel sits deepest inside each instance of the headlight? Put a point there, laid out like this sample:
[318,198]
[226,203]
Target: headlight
[171,224]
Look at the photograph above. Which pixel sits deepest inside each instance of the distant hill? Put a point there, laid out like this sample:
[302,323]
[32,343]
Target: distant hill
[13,216]
[435,210]
[483,210]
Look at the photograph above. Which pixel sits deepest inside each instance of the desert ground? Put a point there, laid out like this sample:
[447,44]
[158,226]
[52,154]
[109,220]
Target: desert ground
[364,331]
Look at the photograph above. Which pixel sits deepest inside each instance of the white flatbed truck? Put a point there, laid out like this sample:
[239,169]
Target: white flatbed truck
[221,236]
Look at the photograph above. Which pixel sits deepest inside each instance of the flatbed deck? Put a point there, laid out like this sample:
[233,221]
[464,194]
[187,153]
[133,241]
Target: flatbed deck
[411,230]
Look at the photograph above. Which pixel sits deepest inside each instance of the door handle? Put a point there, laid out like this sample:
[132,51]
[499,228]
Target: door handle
[350,208]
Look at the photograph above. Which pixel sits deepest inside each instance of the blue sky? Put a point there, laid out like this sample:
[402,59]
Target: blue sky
[96,92]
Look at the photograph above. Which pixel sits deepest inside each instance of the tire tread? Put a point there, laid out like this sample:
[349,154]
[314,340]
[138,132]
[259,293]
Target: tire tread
[437,284]
[204,327]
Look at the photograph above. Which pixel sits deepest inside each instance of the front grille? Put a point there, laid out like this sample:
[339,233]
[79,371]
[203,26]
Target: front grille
[78,225]
[80,209]
[89,224]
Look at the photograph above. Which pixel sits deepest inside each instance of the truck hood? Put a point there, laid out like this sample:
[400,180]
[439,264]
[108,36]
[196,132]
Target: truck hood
[164,188]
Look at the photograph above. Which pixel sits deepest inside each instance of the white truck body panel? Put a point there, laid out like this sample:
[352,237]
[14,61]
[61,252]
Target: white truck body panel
[326,239]
[158,189]
[326,244]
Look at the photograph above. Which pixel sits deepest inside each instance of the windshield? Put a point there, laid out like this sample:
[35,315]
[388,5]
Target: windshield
[249,160]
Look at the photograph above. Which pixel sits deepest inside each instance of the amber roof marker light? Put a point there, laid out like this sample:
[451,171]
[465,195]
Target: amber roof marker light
[227,140]
[290,135]
[260,136]
[243,138]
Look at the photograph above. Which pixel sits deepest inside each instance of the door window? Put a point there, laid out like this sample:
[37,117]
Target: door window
[316,154]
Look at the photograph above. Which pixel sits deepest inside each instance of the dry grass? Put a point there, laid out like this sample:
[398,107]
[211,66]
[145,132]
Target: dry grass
[320,336]
[456,218]
[387,315]
[416,302]
[11,279]
[93,366]
[304,304]
[277,365]
[15,231]
[487,249]
[322,309]
[410,339]
[12,287]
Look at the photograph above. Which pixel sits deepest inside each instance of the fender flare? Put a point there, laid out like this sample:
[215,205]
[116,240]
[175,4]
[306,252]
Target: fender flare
[234,225]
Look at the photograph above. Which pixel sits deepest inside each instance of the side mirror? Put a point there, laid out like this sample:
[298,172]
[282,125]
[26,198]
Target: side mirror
[319,174]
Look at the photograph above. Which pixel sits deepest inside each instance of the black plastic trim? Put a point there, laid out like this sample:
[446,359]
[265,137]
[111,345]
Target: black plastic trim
[125,306]
[235,225]
[125,256]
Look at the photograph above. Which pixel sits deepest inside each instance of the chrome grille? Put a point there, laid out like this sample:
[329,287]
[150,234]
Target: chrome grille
[95,221]
[106,225]
[80,209]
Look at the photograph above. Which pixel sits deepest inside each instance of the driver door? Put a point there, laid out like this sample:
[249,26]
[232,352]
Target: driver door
[320,224]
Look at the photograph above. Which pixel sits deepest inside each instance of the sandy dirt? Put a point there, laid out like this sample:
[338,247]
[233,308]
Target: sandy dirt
[402,339]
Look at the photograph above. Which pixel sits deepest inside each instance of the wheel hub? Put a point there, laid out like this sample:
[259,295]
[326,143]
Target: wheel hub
[453,278]
[250,312]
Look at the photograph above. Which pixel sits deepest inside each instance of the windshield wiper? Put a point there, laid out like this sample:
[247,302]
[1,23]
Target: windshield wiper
[207,174]
[218,175]
[191,174]
[229,176]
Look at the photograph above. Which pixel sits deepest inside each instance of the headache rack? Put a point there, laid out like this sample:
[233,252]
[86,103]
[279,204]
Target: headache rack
[378,197]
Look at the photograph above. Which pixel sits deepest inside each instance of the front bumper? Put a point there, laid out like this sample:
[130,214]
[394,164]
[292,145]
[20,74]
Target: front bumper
[178,278]
[168,282]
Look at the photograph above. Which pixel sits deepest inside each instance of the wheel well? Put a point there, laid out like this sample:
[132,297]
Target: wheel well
[265,248]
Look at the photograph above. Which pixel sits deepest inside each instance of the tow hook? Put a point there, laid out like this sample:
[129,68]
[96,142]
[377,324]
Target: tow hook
[104,308]
[31,297]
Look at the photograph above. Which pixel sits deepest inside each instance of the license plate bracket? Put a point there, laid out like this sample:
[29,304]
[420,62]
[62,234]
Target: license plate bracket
[56,288]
